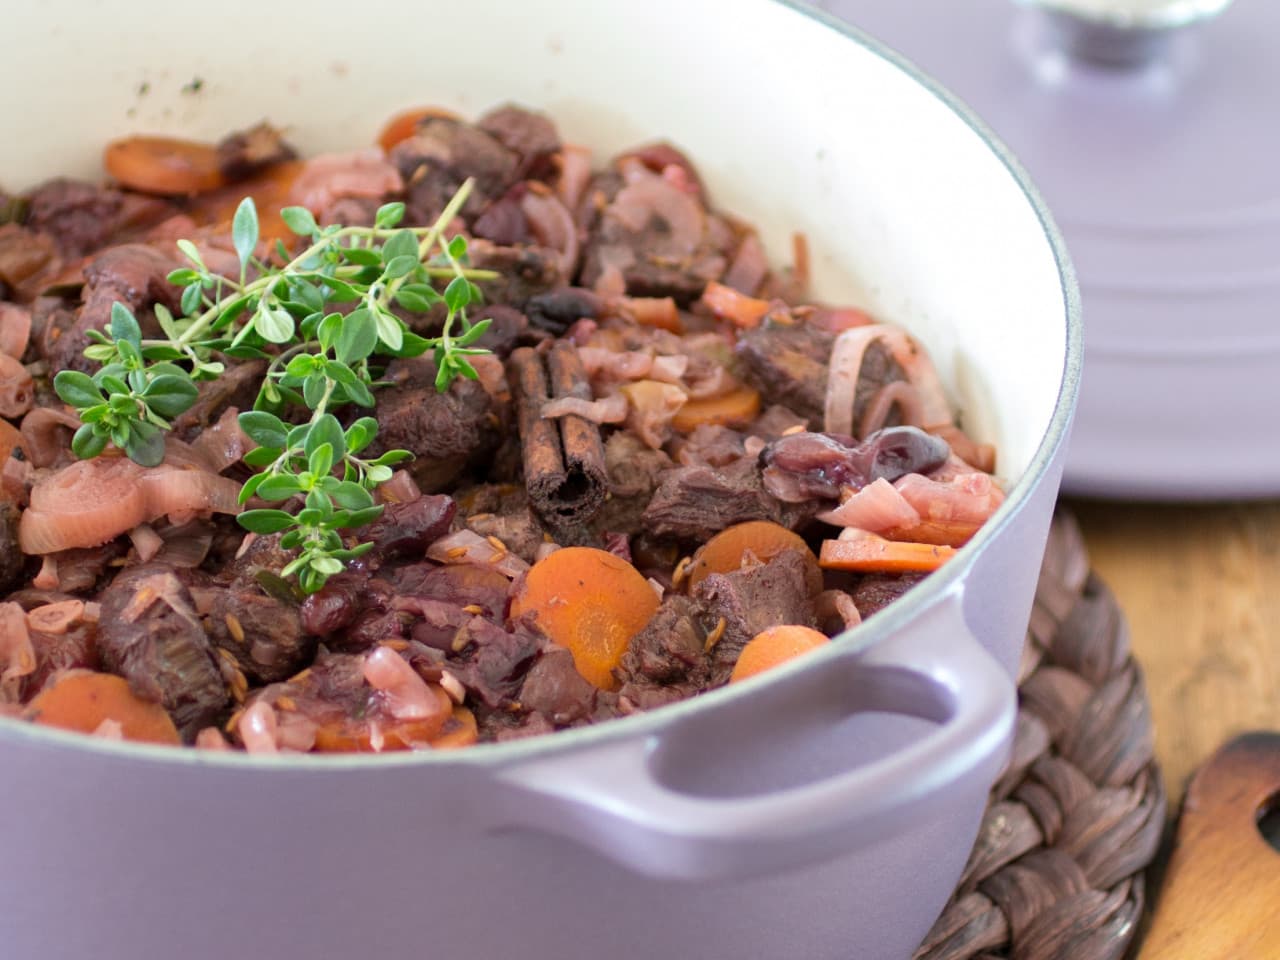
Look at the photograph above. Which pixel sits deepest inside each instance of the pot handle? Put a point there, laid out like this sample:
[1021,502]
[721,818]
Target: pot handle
[612,797]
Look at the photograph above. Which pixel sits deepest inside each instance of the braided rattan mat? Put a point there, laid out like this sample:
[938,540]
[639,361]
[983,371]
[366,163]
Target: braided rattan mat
[1058,870]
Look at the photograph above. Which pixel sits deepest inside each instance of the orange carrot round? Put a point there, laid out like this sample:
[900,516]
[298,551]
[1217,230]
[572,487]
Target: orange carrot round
[355,734]
[163,165]
[460,730]
[82,699]
[776,645]
[734,409]
[590,602]
[725,552]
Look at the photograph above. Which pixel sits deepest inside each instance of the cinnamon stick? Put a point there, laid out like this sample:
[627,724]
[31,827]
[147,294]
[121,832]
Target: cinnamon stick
[564,469]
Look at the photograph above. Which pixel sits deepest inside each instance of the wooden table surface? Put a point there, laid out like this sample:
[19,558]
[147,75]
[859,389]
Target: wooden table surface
[1200,586]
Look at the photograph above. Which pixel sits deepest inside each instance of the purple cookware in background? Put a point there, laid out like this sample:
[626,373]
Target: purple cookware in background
[823,811]
[1151,127]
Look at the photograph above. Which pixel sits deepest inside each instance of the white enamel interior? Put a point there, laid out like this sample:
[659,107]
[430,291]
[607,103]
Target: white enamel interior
[906,210]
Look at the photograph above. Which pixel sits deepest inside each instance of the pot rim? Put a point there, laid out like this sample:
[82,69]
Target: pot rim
[644,725]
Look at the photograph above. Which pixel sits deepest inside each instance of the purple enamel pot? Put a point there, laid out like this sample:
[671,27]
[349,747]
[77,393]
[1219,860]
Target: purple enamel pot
[824,810]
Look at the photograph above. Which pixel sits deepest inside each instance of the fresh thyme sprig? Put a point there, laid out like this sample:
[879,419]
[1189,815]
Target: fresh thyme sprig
[318,358]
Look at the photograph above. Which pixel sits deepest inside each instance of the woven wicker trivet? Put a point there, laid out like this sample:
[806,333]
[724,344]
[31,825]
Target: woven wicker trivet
[1057,872]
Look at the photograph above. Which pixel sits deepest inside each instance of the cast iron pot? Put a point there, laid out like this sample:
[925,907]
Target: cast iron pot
[823,811]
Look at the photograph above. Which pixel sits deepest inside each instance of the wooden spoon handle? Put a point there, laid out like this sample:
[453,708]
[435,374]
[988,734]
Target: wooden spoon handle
[1221,896]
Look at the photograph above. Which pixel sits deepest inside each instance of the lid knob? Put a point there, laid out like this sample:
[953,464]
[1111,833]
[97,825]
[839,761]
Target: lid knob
[1120,33]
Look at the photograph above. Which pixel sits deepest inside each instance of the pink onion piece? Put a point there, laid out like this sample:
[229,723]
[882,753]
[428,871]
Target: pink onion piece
[846,365]
[223,444]
[257,728]
[610,409]
[606,364]
[17,389]
[748,268]
[83,505]
[401,488]
[544,550]
[492,375]
[17,655]
[15,329]
[897,393]
[467,546]
[183,493]
[575,174]
[211,738]
[648,195]
[146,541]
[838,607]
[669,369]
[92,611]
[404,693]
[965,498]
[46,432]
[47,578]
[653,406]
[108,729]
[56,618]
[877,507]
[552,224]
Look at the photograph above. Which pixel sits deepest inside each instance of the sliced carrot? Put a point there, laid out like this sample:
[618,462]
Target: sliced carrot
[948,533]
[270,191]
[874,554]
[82,699]
[739,309]
[734,409]
[660,312]
[404,125]
[163,165]
[589,601]
[774,646]
[460,730]
[726,551]
[355,734]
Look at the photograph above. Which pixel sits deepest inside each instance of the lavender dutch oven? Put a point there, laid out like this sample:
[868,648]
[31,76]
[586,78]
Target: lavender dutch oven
[823,811]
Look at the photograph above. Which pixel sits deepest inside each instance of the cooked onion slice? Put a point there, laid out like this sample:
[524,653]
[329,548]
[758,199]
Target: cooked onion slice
[610,409]
[467,546]
[552,224]
[404,693]
[877,507]
[182,492]
[846,365]
[17,390]
[83,505]
[17,655]
[15,329]
[43,436]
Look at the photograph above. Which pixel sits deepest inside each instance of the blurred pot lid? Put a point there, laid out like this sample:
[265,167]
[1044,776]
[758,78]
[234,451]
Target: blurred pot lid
[1150,126]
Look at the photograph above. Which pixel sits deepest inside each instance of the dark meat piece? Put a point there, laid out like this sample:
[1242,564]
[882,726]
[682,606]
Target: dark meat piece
[237,387]
[750,600]
[635,470]
[695,503]
[494,661]
[79,570]
[133,274]
[557,310]
[659,238]
[23,254]
[711,445]
[407,529]
[554,688]
[506,328]
[480,588]
[524,272]
[263,634]
[788,365]
[263,555]
[503,511]
[12,561]
[670,648]
[83,217]
[532,136]
[447,432]
[875,593]
[440,156]
[503,221]
[245,152]
[149,633]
